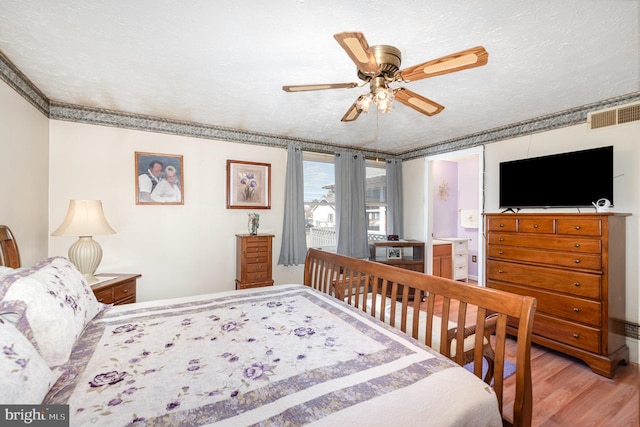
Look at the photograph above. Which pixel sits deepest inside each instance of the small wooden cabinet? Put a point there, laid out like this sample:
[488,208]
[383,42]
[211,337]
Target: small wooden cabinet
[442,259]
[460,257]
[411,253]
[119,290]
[253,260]
[574,265]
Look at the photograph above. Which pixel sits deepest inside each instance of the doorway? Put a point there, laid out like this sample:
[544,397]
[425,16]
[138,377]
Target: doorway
[454,202]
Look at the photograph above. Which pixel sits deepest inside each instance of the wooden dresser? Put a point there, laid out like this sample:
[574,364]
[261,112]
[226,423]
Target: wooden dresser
[253,260]
[574,265]
[119,290]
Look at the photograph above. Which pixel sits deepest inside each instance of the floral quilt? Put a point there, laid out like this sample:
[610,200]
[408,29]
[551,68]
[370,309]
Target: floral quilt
[282,355]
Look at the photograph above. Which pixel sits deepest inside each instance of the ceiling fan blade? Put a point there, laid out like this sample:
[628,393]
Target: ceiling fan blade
[417,102]
[470,58]
[358,50]
[302,88]
[352,113]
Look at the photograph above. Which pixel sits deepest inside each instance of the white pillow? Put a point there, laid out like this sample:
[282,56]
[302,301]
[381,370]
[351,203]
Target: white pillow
[26,377]
[51,304]
[4,271]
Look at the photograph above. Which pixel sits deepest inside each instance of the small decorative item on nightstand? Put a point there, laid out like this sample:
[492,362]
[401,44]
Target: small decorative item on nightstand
[254,223]
[115,289]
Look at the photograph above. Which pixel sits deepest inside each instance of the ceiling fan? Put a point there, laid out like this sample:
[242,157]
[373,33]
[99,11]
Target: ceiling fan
[379,66]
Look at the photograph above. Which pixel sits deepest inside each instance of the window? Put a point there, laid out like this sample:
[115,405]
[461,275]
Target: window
[320,202]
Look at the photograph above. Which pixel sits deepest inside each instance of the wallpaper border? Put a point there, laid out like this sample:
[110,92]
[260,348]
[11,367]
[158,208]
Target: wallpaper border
[80,114]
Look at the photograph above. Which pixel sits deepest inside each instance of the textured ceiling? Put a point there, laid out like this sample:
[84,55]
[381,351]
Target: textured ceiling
[224,62]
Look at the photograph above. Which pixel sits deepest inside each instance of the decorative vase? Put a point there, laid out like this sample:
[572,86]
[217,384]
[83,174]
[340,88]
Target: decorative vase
[254,223]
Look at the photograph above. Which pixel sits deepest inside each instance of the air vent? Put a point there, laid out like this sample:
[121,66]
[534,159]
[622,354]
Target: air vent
[615,116]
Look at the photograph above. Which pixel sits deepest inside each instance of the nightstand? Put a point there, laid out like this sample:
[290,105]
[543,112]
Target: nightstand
[253,260]
[121,289]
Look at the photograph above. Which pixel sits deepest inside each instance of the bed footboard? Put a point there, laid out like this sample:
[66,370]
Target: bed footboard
[370,287]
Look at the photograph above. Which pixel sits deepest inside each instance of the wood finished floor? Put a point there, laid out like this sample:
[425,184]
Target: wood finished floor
[567,393]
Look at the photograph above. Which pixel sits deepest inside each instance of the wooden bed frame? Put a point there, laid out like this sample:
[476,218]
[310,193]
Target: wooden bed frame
[349,278]
[9,254]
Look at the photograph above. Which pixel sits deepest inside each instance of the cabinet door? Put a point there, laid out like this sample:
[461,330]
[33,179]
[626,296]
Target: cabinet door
[446,266]
[437,262]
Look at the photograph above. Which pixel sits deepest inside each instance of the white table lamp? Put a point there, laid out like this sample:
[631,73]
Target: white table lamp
[85,219]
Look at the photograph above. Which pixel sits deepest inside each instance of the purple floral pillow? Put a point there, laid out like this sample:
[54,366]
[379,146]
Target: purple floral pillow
[50,303]
[26,377]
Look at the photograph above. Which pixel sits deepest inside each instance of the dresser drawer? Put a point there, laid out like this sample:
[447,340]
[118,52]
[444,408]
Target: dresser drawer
[568,244]
[257,257]
[570,333]
[115,289]
[442,249]
[569,282]
[460,247]
[502,224]
[257,248]
[567,307]
[255,267]
[582,227]
[575,260]
[104,296]
[536,225]
[257,277]
[124,291]
[460,260]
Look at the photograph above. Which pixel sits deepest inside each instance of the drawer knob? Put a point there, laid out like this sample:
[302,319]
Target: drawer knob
[576,336]
[101,299]
[577,261]
[500,271]
[576,284]
[501,239]
[577,227]
[576,309]
[126,290]
[535,225]
[500,252]
[576,245]
[501,225]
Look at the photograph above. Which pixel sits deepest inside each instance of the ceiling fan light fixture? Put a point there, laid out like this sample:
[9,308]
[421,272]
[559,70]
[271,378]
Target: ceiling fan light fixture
[383,98]
[364,102]
[379,66]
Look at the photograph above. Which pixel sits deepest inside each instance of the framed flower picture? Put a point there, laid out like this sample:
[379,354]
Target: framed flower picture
[248,185]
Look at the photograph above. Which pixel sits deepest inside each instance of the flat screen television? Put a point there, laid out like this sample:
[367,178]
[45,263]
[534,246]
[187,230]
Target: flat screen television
[566,180]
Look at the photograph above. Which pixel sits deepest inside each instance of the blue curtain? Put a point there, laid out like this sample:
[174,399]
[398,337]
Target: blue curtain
[351,215]
[294,246]
[394,197]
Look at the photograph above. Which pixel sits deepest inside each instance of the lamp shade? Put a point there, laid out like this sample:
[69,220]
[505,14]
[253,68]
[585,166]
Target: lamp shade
[84,218]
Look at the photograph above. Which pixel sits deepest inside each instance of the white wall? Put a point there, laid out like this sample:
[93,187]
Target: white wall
[414,194]
[179,249]
[24,159]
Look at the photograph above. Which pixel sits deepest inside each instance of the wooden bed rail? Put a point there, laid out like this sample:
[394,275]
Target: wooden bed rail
[370,287]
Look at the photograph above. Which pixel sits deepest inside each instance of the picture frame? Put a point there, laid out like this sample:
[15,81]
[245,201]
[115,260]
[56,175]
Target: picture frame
[248,185]
[159,179]
[394,253]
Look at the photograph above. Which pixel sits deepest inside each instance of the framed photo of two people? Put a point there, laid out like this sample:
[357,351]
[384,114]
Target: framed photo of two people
[159,179]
